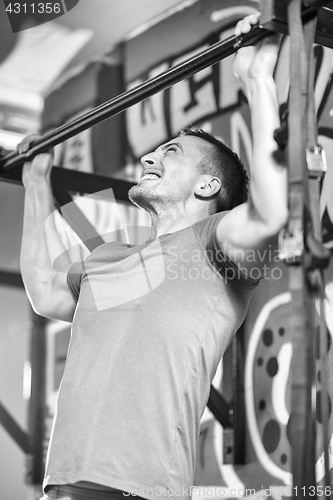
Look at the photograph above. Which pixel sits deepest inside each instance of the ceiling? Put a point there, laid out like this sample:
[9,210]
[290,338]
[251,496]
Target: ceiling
[33,59]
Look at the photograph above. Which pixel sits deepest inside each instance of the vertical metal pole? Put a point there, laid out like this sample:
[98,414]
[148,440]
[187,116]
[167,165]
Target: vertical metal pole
[37,407]
[238,399]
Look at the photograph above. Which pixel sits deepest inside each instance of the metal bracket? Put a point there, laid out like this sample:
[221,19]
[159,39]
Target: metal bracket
[228,446]
[316,161]
[291,243]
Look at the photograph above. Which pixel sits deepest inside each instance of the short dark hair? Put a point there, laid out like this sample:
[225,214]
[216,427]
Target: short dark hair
[227,166]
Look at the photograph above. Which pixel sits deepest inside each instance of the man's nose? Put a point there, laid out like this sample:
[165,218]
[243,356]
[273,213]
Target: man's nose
[149,159]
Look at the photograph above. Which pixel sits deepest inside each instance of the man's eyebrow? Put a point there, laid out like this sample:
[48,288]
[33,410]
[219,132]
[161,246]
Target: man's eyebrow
[169,144]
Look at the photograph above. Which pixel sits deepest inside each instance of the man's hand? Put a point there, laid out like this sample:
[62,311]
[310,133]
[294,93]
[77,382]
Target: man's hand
[256,61]
[39,169]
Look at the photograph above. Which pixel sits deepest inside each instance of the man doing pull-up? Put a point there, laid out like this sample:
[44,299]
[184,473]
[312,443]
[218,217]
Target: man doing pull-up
[151,322]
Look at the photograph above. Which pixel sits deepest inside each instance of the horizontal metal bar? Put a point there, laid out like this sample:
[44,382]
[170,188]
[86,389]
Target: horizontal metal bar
[82,182]
[10,278]
[273,15]
[177,73]
[76,181]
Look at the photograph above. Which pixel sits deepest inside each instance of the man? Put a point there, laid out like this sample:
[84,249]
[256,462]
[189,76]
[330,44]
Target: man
[150,323]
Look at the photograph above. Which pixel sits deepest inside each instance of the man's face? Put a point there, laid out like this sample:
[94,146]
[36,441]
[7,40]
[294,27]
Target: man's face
[169,173]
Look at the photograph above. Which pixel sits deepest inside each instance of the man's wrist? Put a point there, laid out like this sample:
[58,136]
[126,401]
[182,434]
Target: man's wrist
[260,88]
[38,184]
[259,81]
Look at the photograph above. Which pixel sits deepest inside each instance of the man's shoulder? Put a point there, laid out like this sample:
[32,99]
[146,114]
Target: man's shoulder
[207,226]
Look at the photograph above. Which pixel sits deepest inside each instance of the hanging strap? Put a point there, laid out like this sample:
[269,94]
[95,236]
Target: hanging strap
[302,424]
[316,255]
[301,248]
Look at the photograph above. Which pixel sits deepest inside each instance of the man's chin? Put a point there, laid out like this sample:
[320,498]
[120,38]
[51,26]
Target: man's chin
[139,195]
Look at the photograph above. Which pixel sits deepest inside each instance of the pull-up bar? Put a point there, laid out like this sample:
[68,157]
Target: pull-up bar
[120,103]
[181,71]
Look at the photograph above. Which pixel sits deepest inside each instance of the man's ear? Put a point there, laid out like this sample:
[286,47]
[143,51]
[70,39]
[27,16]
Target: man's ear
[207,186]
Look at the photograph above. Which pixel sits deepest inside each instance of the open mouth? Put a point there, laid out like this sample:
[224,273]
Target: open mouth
[150,175]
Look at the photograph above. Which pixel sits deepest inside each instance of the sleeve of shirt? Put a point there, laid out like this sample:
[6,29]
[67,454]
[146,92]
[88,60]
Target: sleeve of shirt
[74,277]
[228,270]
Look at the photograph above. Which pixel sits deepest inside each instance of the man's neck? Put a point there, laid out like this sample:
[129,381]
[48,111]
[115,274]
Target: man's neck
[166,224]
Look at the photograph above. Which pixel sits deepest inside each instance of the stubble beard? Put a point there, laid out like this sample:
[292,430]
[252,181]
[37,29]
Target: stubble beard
[157,204]
[143,197]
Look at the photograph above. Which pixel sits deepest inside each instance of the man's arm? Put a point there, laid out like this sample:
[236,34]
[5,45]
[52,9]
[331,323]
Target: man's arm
[46,288]
[250,226]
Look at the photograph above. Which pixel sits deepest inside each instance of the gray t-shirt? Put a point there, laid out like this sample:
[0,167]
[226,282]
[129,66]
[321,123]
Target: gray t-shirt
[151,325]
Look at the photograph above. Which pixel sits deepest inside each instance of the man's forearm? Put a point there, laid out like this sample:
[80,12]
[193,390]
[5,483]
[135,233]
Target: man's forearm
[269,174]
[36,266]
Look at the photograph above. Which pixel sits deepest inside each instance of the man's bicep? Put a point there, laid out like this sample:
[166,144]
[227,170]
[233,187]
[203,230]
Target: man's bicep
[61,303]
[244,238]
[55,300]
